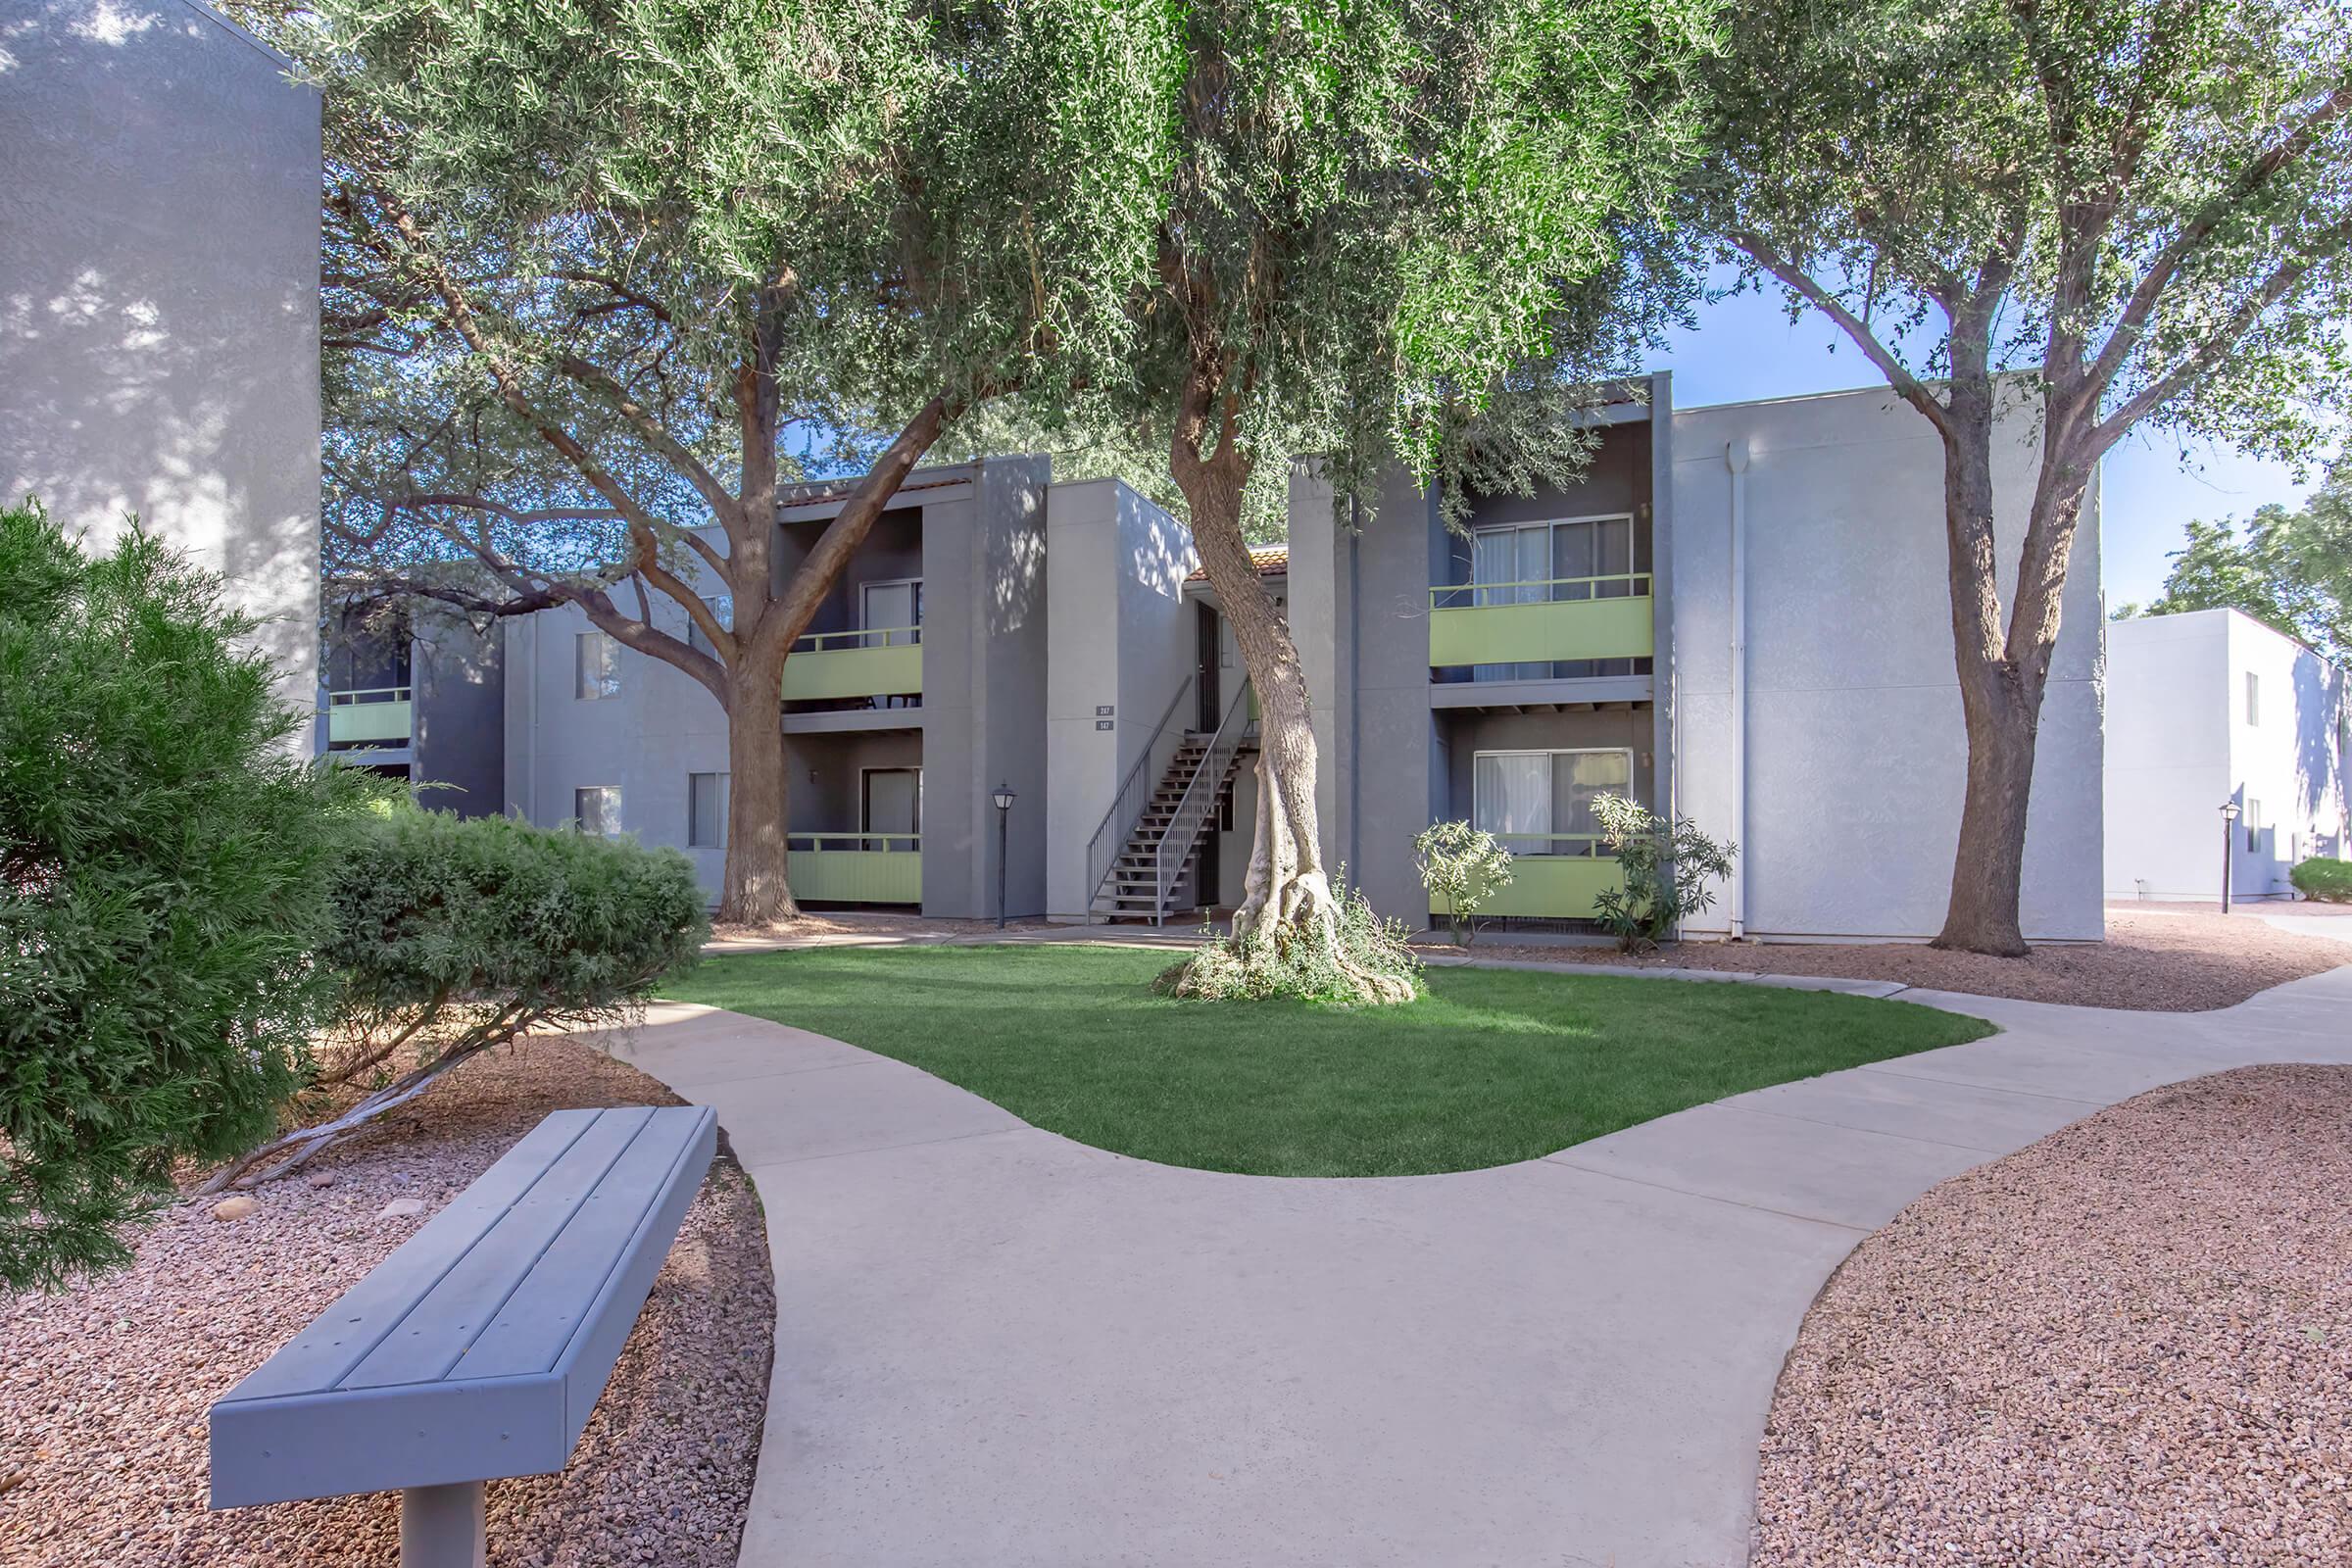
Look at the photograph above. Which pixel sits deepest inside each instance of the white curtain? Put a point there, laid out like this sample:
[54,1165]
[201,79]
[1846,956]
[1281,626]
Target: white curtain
[1512,799]
[1576,778]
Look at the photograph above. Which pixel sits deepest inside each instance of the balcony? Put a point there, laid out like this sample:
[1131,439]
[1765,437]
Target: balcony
[883,661]
[379,716]
[1555,876]
[1560,620]
[855,868]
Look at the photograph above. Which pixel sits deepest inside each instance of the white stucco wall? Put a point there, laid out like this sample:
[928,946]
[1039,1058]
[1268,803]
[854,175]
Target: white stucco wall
[159,295]
[2168,755]
[1855,749]
[1116,566]
[2181,742]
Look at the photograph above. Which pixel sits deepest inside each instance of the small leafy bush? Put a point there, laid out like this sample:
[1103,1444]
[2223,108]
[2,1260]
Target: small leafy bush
[1464,866]
[454,934]
[1667,872]
[165,857]
[1357,957]
[2330,881]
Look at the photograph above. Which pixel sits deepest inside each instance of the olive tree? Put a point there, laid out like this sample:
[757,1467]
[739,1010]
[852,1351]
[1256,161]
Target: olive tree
[595,268]
[2143,207]
[1381,217]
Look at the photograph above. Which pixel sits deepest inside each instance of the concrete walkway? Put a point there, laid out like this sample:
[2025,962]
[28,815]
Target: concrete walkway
[998,1347]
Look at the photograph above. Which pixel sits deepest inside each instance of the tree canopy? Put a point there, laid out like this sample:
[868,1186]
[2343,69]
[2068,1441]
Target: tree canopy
[595,268]
[2292,569]
[2142,206]
[1386,240]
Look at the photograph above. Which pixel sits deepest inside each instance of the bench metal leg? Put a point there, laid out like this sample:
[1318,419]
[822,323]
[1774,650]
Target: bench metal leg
[441,1527]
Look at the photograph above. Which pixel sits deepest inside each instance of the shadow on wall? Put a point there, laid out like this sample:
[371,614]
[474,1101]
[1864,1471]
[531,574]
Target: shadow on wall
[2318,769]
[159,265]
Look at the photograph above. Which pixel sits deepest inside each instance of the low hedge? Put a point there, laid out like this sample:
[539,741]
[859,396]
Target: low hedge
[2328,880]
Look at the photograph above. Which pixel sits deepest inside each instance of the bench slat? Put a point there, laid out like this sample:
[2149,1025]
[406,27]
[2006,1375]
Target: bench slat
[564,1287]
[477,1349]
[342,1336]
[431,1341]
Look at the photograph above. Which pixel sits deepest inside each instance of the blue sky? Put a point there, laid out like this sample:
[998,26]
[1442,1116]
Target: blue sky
[1746,348]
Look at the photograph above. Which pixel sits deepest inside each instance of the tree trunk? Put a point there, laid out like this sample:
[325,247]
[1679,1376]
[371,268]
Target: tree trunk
[756,889]
[1287,894]
[1999,699]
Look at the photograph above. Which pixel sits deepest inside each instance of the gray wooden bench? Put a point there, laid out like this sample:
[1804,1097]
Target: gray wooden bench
[479,1348]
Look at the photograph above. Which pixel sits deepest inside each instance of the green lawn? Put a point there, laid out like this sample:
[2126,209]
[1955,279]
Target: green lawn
[1492,1067]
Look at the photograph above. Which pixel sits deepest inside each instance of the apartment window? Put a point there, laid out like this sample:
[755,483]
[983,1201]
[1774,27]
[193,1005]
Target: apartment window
[1540,803]
[598,667]
[2253,821]
[2253,698]
[893,613]
[707,810]
[723,609]
[597,809]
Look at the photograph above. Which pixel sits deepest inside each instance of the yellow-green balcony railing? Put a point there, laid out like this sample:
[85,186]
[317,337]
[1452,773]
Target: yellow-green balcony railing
[878,662]
[378,715]
[1555,876]
[855,868]
[1560,620]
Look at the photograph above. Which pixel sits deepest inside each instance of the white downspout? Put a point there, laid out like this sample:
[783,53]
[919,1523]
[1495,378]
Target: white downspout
[1734,458]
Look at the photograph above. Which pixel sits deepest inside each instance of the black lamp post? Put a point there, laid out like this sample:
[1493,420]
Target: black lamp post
[2229,848]
[1004,799]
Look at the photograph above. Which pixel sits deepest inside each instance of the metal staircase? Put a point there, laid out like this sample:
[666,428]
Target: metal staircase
[1160,857]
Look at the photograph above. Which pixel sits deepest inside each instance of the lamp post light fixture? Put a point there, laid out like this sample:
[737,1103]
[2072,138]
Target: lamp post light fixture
[2229,848]
[1003,797]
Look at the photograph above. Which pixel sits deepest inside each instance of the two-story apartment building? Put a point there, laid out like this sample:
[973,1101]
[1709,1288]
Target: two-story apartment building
[2210,710]
[1737,614]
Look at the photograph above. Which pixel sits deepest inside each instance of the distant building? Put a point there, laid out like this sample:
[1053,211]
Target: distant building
[2215,708]
[159,295]
[1737,614]
[421,698]
[1740,615]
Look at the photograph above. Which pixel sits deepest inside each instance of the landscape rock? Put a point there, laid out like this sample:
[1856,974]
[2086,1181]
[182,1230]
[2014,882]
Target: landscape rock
[103,1427]
[402,1209]
[238,1208]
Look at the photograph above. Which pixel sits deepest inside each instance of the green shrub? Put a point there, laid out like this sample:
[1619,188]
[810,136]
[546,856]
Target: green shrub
[1665,872]
[1356,957]
[2327,881]
[452,935]
[164,865]
[1464,866]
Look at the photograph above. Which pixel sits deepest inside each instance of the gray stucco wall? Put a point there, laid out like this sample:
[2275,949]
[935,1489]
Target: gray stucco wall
[159,295]
[1856,754]
[458,677]
[2180,741]
[984,676]
[1123,639]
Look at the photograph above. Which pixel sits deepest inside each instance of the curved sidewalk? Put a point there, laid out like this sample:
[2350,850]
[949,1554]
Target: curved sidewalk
[995,1346]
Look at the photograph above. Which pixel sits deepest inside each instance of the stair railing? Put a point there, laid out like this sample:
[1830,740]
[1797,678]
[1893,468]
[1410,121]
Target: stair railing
[1197,802]
[1127,802]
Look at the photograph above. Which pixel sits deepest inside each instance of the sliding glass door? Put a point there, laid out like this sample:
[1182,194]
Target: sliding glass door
[1540,803]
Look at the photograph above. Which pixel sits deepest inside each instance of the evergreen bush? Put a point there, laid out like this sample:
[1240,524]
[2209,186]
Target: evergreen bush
[2330,881]
[165,853]
[452,935]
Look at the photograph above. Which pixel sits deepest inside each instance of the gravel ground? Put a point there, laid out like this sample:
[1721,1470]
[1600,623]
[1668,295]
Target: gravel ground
[103,1391]
[2130,1342]
[2152,963]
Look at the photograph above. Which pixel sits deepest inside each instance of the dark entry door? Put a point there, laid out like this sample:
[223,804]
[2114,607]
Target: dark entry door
[1212,709]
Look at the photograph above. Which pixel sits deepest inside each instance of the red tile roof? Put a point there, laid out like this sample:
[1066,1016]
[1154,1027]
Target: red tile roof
[1271,560]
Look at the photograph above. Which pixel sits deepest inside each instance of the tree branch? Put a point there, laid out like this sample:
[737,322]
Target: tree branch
[1914,391]
[2283,281]
[2176,250]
